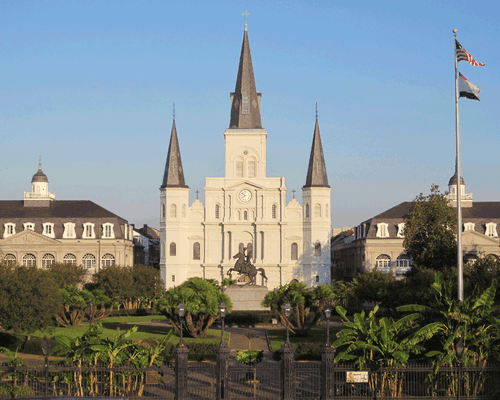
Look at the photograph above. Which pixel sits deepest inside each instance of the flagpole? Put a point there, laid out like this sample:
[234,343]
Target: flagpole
[460,279]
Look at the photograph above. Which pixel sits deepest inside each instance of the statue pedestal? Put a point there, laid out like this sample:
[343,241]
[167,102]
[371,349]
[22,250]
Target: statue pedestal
[247,298]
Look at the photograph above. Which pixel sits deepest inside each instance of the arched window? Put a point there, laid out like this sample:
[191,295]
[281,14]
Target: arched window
[294,251]
[307,210]
[173,211]
[48,260]
[107,231]
[29,260]
[383,263]
[196,251]
[403,264]
[173,249]
[183,211]
[163,215]
[274,211]
[88,261]
[69,259]
[317,211]
[217,211]
[107,260]
[317,249]
[245,215]
[10,259]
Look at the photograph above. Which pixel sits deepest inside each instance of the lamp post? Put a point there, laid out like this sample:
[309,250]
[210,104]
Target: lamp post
[181,310]
[223,312]
[46,350]
[288,312]
[328,314]
[91,313]
[460,352]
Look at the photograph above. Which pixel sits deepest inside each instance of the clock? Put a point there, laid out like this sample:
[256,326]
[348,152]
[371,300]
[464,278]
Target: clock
[245,195]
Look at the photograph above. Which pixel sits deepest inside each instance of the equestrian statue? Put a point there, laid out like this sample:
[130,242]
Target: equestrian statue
[245,267]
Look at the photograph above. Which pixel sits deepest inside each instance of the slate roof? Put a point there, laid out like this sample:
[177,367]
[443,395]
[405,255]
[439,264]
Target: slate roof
[316,173]
[245,86]
[56,209]
[481,213]
[174,174]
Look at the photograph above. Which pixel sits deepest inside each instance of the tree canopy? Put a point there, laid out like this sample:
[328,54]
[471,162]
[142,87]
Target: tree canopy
[430,228]
[201,298]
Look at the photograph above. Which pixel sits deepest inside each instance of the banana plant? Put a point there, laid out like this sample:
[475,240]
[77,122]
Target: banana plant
[385,343]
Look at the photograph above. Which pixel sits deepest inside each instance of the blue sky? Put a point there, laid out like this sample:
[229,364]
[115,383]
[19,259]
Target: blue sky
[89,86]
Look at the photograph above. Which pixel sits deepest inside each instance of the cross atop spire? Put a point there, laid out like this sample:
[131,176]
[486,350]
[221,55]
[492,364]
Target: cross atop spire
[174,110]
[245,101]
[40,163]
[245,14]
[316,173]
[173,175]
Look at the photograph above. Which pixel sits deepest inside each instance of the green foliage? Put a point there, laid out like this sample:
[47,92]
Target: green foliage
[76,302]
[201,298]
[28,300]
[474,320]
[307,304]
[250,357]
[373,286]
[67,274]
[430,229]
[132,287]
[365,340]
[479,275]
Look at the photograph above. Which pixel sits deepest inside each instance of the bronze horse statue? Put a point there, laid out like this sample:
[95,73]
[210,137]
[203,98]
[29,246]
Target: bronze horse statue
[244,267]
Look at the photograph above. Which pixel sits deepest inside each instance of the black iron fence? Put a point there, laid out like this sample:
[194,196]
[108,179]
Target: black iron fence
[227,379]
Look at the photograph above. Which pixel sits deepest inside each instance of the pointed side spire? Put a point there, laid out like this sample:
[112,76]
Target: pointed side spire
[316,173]
[174,175]
[245,101]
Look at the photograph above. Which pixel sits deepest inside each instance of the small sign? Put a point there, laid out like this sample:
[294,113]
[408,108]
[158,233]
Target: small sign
[151,377]
[357,377]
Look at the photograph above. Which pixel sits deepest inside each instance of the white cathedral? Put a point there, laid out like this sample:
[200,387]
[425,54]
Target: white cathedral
[245,208]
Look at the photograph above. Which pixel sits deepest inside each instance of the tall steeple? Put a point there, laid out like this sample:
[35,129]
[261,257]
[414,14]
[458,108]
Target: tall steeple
[245,101]
[174,175]
[316,173]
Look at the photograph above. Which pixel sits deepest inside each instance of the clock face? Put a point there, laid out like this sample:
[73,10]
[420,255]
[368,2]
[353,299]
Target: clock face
[245,195]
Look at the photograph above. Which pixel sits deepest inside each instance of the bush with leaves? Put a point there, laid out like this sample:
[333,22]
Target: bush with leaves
[67,274]
[28,300]
[475,321]
[75,306]
[430,228]
[307,304]
[202,299]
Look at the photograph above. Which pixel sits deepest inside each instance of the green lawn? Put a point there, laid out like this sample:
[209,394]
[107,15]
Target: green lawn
[277,337]
[111,324]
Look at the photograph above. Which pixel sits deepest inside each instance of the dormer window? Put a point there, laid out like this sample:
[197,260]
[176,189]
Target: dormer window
[48,229]
[69,231]
[469,226]
[108,231]
[88,231]
[401,230]
[491,229]
[382,230]
[29,225]
[9,229]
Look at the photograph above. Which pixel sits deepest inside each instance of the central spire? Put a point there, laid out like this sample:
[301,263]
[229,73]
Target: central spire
[173,175]
[316,173]
[245,101]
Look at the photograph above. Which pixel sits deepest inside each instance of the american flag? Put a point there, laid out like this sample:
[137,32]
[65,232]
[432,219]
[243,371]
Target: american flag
[463,55]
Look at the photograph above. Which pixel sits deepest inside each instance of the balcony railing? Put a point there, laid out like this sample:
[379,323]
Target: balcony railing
[37,196]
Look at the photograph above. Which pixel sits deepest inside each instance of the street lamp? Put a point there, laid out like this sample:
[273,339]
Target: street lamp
[46,350]
[288,312]
[328,314]
[223,312]
[91,312]
[181,310]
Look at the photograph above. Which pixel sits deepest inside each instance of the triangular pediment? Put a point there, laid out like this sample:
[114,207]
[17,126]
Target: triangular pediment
[29,237]
[245,183]
[478,239]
